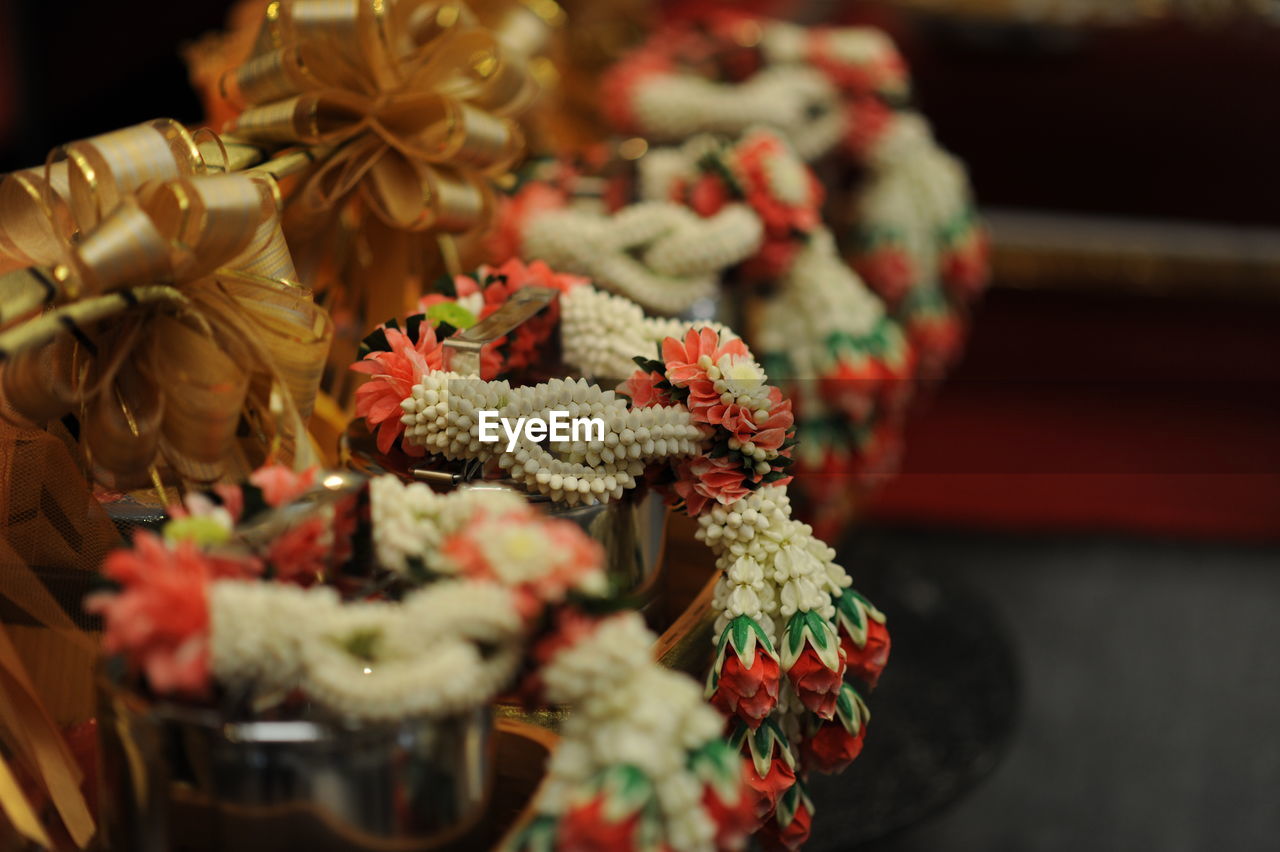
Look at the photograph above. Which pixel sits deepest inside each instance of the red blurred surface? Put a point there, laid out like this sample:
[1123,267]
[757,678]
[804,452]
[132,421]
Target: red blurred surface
[1118,413]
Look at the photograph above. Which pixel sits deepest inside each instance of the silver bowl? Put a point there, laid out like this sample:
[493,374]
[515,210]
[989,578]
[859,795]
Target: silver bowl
[183,779]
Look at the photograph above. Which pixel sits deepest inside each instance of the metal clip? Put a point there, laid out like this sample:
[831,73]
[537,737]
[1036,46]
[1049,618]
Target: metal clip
[462,351]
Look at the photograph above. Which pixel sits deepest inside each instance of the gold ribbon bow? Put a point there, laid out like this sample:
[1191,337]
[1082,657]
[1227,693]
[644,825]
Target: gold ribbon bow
[170,310]
[413,102]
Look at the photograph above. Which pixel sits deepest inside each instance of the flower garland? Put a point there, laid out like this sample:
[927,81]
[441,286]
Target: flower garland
[487,588]
[837,97]
[658,253]
[910,226]
[789,627]
[845,361]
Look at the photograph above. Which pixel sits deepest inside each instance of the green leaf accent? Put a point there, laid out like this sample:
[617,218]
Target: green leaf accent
[795,633]
[742,633]
[848,607]
[538,836]
[817,630]
[649,365]
[204,532]
[738,735]
[844,703]
[452,313]
[763,638]
[632,780]
[762,741]
[716,759]
[628,786]
[362,644]
[418,570]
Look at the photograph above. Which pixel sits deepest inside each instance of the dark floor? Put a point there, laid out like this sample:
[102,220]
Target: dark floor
[1148,684]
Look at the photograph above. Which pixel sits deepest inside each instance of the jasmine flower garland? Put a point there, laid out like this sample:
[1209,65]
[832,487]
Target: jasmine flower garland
[702,422]
[492,589]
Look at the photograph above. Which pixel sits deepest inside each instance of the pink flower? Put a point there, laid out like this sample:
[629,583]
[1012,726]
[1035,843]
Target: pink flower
[280,484]
[643,389]
[683,358]
[538,558]
[393,375]
[159,621]
[704,479]
[774,430]
[301,553]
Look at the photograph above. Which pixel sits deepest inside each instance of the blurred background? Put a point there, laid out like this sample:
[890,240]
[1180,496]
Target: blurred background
[1079,558]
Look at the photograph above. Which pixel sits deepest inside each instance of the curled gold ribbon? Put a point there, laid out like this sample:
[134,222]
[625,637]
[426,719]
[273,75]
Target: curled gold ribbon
[414,101]
[162,314]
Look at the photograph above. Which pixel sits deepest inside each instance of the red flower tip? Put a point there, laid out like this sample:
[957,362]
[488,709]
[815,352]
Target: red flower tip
[831,747]
[867,663]
[749,693]
[817,686]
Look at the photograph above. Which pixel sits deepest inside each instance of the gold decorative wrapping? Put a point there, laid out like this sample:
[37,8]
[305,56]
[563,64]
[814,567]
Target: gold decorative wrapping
[163,314]
[30,733]
[413,99]
[408,109]
[55,535]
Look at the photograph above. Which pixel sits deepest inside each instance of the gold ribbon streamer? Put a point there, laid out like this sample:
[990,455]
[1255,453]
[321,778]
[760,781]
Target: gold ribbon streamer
[167,310]
[31,733]
[415,99]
